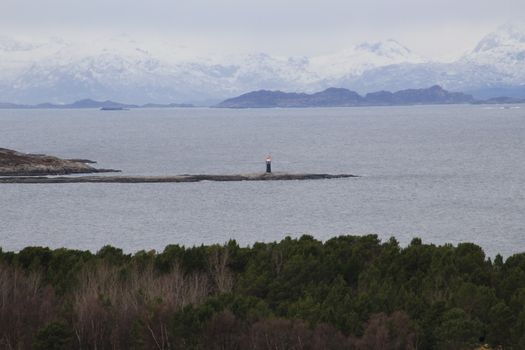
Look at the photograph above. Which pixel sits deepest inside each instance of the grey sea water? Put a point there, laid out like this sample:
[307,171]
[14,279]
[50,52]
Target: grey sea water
[443,173]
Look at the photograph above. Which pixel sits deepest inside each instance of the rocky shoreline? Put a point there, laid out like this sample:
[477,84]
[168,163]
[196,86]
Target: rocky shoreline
[23,168]
[174,179]
[13,163]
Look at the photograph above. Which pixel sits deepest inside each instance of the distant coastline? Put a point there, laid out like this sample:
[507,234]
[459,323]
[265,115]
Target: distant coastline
[331,97]
[89,103]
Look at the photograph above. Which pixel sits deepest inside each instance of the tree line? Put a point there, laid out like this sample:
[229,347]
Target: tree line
[349,292]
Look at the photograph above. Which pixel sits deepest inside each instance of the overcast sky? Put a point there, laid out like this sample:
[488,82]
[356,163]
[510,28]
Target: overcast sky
[289,27]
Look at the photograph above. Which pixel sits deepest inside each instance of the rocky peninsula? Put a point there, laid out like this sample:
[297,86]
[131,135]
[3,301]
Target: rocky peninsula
[174,178]
[13,163]
[16,167]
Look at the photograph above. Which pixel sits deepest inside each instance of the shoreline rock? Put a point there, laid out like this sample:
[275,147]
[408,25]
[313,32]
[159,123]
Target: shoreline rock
[172,179]
[13,163]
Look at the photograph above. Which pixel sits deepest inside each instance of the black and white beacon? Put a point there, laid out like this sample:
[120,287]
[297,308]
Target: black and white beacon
[269,164]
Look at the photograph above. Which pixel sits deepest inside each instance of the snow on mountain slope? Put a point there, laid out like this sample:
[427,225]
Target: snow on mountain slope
[495,67]
[122,68]
[60,71]
[503,51]
[358,59]
[457,76]
[16,55]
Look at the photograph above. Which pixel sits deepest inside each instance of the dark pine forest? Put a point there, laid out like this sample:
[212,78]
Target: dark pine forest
[346,293]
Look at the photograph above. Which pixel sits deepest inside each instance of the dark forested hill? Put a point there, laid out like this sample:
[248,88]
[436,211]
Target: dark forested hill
[346,293]
[337,97]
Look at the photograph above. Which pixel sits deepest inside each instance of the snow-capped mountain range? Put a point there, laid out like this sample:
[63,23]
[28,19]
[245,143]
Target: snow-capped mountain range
[123,69]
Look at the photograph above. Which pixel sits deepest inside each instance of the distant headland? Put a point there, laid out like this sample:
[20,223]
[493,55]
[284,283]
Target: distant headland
[339,97]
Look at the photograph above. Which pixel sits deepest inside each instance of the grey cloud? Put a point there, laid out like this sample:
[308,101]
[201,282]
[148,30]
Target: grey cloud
[288,23]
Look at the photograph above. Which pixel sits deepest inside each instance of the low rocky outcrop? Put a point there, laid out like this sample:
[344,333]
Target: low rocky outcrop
[16,167]
[174,178]
[13,163]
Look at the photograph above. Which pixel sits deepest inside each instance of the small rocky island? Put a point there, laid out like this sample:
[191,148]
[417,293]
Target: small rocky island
[13,163]
[16,167]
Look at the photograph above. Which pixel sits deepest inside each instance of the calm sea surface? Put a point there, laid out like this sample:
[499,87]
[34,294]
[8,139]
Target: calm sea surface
[442,173]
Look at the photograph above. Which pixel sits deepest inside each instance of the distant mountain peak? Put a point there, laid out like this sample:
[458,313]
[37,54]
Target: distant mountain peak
[362,57]
[335,90]
[510,34]
[159,71]
[498,61]
[389,48]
